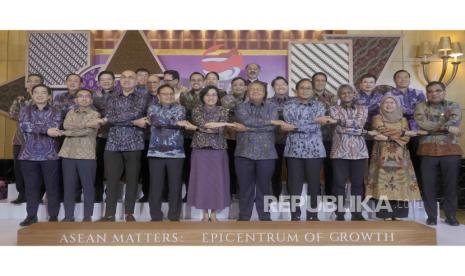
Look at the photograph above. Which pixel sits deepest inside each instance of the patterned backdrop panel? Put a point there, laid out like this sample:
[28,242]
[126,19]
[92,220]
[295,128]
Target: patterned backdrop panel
[371,53]
[56,54]
[334,58]
[9,91]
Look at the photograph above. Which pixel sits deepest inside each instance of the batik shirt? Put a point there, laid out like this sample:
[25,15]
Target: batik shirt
[230,102]
[258,142]
[100,101]
[280,102]
[15,107]
[80,140]
[328,99]
[348,138]
[306,141]
[64,102]
[34,123]
[435,119]
[166,140]
[190,100]
[121,111]
[371,102]
[209,138]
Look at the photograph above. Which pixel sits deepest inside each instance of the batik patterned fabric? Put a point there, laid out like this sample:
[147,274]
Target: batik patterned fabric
[306,141]
[435,119]
[348,138]
[371,102]
[209,138]
[328,99]
[123,135]
[178,91]
[280,102]
[230,102]
[190,100]
[100,101]
[166,140]
[64,102]
[80,140]
[56,54]
[34,123]
[258,142]
[141,89]
[370,53]
[391,174]
[18,103]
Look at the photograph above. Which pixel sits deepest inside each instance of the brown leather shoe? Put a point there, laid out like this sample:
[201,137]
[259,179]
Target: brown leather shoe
[130,218]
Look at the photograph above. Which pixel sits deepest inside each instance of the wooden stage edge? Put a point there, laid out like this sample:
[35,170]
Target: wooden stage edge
[269,233]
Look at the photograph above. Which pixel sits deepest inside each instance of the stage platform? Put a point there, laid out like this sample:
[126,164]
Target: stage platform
[232,233]
[190,231]
[10,211]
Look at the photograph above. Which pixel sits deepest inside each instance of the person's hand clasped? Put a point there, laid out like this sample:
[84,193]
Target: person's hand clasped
[54,132]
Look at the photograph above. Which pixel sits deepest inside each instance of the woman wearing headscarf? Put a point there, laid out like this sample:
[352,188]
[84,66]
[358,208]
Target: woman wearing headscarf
[391,174]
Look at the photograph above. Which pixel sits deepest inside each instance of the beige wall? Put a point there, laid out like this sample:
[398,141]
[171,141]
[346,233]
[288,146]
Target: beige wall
[404,57]
[12,65]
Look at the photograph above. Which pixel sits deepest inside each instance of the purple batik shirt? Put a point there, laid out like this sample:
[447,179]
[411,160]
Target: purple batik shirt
[64,102]
[371,102]
[100,101]
[258,142]
[121,111]
[34,123]
[280,102]
[409,101]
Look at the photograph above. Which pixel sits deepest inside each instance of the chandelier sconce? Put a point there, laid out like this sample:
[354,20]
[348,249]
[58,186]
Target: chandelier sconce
[446,49]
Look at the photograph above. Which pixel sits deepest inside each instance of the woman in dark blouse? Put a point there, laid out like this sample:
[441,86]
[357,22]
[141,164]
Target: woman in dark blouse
[209,176]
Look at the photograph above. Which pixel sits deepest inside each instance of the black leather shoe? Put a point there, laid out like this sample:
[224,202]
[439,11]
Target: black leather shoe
[452,221]
[143,199]
[295,218]
[340,218]
[87,219]
[107,218]
[431,221]
[18,201]
[67,220]
[53,219]
[28,221]
[313,219]
[130,218]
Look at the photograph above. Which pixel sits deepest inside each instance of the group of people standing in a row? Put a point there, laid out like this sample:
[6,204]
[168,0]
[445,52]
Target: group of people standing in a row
[222,143]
